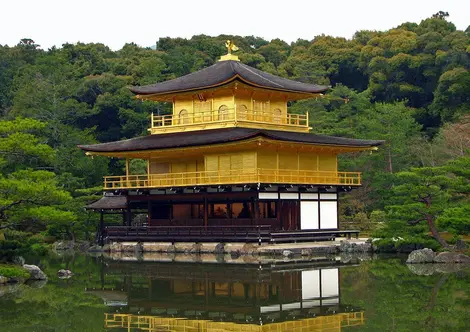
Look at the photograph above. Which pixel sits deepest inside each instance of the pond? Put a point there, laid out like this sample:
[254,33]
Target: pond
[365,293]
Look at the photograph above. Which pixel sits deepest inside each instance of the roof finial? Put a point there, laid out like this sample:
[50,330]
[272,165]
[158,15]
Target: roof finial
[231,47]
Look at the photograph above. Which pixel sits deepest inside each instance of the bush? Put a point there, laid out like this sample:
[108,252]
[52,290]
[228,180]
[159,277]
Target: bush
[10,249]
[14,235]
[405,244]
[12,271]
[39,249]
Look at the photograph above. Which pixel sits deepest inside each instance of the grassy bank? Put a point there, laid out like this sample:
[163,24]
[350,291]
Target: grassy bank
[13,271]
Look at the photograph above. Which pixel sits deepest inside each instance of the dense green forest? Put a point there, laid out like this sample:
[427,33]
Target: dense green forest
[409,86]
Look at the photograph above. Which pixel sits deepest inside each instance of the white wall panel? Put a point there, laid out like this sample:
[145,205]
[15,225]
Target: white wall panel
[310,284]
[328,215]
[309,196]
[311,303]
[289,195]
[329,282]
[290,306]
[268,196]
[328,196]
[308,215]
[270,308]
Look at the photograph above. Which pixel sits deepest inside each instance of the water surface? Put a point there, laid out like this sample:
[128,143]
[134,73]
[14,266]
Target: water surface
[379,294]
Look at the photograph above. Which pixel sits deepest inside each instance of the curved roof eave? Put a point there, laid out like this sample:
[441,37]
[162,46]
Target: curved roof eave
[225,72]
[219,136]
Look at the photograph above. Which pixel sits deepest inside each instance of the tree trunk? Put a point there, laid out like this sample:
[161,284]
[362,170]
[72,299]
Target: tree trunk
[432,225]
[390,163]
[435,233]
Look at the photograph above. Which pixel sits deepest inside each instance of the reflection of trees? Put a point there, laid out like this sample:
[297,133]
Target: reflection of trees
[430,321]
[396,299]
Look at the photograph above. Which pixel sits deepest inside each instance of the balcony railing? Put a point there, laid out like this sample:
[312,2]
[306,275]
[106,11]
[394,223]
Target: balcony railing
[231,116]
[223,177]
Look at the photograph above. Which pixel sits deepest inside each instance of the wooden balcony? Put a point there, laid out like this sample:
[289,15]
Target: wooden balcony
[233,177]
[229,118]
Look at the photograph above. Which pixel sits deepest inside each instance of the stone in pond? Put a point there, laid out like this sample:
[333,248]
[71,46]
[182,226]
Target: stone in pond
[64,274]
[425,255]
[35,272]
[451,257]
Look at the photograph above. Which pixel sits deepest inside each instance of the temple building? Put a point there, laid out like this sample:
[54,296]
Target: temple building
[231,155]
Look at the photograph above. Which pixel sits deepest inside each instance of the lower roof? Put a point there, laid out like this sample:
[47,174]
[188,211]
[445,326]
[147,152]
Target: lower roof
[109,203]
[219,136]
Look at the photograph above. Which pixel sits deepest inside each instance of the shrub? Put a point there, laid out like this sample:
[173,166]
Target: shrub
[39,249]
[405,244]
[12,271]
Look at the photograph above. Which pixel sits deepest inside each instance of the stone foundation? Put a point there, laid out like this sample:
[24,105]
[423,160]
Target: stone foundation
[239,249]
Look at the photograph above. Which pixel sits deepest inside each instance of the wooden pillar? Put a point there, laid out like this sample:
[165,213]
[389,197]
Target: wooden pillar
[256,211]
[252,203]
[149,212]
[101,236]
[128,216]
[206,207]
[127,167]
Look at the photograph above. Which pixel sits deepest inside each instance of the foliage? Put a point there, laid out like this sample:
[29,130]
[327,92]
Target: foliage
[456,219]
[13,271]
[405,244]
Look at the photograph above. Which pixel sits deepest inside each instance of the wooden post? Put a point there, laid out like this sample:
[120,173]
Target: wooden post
[205,212]
[149,212]
[127,172]
[101,236]
[128,217]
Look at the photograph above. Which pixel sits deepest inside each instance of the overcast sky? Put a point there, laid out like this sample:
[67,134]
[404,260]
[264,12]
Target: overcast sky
[116,22]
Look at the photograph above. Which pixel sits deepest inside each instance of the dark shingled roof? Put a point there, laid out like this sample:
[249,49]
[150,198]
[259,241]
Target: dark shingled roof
[223,72]
[109,203]
[217,136]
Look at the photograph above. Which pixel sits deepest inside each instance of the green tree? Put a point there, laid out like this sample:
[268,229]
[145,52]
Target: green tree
[423,194]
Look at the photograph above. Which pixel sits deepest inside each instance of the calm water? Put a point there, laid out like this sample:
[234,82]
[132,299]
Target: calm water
[380,294]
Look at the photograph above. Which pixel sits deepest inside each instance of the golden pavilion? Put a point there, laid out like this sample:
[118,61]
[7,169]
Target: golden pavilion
[230,163]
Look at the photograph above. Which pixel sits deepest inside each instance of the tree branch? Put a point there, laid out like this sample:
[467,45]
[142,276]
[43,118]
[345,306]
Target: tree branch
[414,222]
[5,208]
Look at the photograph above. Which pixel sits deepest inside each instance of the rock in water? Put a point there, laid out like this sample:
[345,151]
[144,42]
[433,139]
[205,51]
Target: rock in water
[461,245]
[422,269]
[425,255]
[18,260]
[35,272]
[219,249]
[287,253]
[451,257]
[3,280]
[64,245]
[64,274]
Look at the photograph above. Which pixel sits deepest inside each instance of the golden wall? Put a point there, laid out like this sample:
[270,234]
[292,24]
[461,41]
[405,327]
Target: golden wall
[240,98]
[248,160]
[295,160]
[231,161]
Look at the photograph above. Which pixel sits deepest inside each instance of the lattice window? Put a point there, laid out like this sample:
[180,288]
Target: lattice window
[223,112]
[183,117]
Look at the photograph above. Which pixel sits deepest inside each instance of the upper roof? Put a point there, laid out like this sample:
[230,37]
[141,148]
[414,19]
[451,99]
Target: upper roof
[224,72]
[219,136]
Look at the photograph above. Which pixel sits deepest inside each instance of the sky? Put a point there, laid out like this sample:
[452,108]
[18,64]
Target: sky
[116,22]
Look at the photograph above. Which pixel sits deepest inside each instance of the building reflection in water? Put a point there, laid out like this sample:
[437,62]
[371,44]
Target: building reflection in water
[223,297]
